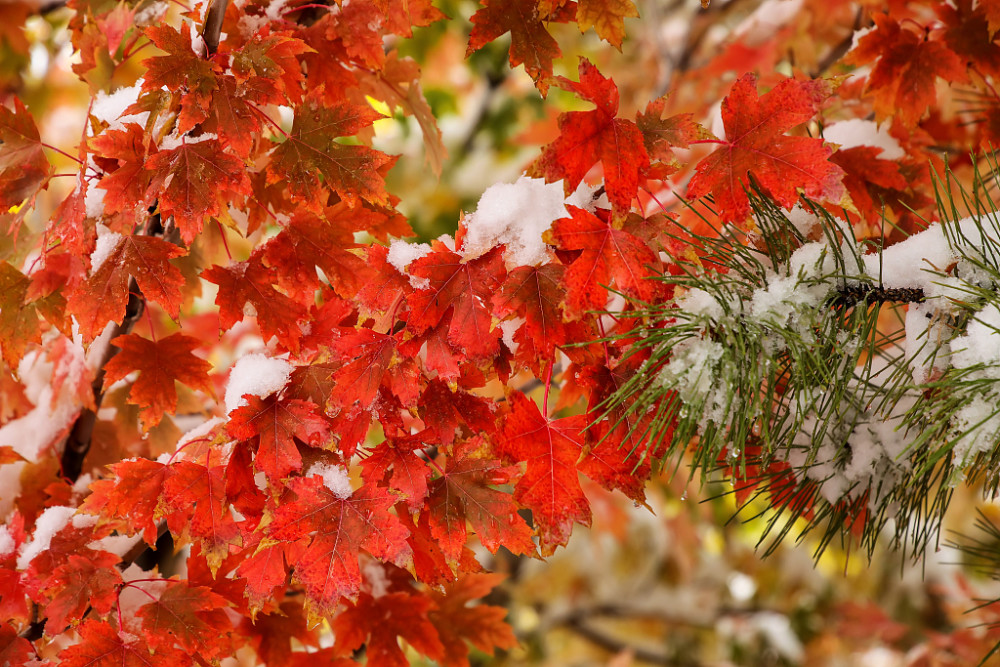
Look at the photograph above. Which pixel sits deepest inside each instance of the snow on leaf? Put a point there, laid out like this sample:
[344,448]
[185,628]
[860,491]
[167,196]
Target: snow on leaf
[757,147]
[160,363]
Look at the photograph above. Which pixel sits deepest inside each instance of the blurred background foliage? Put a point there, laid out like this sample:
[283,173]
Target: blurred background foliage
[681,582]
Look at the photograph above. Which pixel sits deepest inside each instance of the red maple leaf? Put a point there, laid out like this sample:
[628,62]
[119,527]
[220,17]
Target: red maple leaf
[465,287]
[589,137]
[277,422]
[409,472]
[196,496]
[378,622]
[311,151]
[550,486]
[906,66]
[609,256]
[193,180]
[266,67]
[101,298]
[660,134]
[182,71]
[444,411]
[530,43]
[23,165]
[133,495]
[82,582]
[14,650]
[160,363]
[536,294]
[193,617]
[101,645]
[18,320]
[126,182]
[337,529]
[465,493]
[273,635]
[757,147]
[366,357]
[249,287]
[458,622]
[870,180]
[309,241]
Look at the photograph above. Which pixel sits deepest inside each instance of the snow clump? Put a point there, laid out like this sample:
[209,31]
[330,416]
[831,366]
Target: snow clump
[334,477]
[516,215]
[258,375]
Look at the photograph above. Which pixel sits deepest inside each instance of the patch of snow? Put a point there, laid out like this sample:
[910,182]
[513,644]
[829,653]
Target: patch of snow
[515,215]
[174,140]
[334,477]
[151,13]
[199,432]
[119,545]
[49,522]
[107,243]
[508,328]
[53,413]
[859,132]
[769,17]
[375,579]
[258,375]
[6,541]
[94,202]
[274,9]
[109,108]
[401,254]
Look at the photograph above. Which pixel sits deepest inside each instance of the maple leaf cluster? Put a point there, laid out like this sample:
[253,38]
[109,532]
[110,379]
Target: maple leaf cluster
[394,426]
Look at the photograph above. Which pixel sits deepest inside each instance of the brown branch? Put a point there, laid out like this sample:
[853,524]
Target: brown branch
[849,295]
[213,25]
[78,442]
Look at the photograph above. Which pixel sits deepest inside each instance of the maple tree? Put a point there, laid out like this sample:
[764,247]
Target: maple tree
[219,350]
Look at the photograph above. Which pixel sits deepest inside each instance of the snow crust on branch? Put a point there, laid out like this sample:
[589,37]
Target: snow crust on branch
[258,375]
